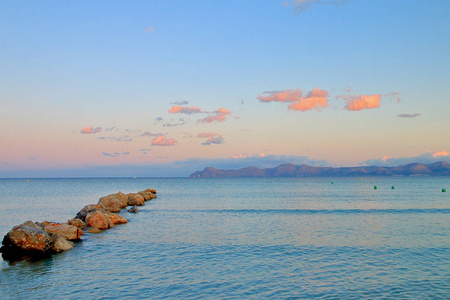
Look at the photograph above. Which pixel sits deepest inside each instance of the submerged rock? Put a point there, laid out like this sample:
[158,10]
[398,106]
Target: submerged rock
[134,209]
[94,230]
[61,244]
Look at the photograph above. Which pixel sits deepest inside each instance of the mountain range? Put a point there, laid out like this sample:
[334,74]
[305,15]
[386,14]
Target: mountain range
[290,170]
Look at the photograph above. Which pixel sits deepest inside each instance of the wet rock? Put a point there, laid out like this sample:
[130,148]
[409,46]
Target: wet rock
[123,198]
[135,199]
[28,237]
[76,222]
[147,195]
[134,209]
[69,232]
[110,204]
[61,244]
[115,218]
[86,210]
[94,230]
[98,219]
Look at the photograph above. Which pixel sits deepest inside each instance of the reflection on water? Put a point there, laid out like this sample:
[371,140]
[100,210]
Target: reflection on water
[241,238]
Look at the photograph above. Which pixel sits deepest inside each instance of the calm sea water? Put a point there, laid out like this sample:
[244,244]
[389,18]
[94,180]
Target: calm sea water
[240,238]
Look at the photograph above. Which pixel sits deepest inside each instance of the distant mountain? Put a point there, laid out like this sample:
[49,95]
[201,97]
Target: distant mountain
[290,170]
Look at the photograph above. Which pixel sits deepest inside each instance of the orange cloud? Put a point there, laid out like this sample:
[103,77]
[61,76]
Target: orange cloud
[220,116]
[363,102]
[184,110]
[150,29]
[90,130]
[211,138]
[315,99]
[163,141]
[385,158]
[281,96]
[440,153]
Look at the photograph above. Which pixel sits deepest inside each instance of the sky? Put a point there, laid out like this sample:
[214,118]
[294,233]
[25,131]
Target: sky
[165,88]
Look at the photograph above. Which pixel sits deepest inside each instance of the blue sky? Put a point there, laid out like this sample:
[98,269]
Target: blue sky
[121,66]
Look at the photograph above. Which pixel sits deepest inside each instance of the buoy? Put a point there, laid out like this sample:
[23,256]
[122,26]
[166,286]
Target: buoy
[392,187]
[332,182]
[375,187]
[28,180]
[444,190]
[361,179]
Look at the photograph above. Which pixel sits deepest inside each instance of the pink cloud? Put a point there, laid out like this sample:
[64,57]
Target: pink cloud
[315,99]
[363,102]
[211,138]
[281,96]
[440,153]
[150,29]
[163,141]
[385,158]
[90,130]
[220,116]
[184,110]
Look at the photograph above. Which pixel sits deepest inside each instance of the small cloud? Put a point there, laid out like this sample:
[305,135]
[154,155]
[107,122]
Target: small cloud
[90,130]
[150,29]
[385,158]
[440,153]
[395,95]
[158,119]
[163,141]
[355,103]
[145,149]
[408,115]
[302,5]
[220,115]
[111,128]
[126,153]
[183,102]
[111,154]
[280,96]
[176,109]
[151,134]
[211,138]
[125,138]
[181,122]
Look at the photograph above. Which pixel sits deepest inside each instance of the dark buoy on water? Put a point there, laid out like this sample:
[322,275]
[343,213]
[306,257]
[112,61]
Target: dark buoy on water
[392,187]
[375,187]
[332,182]
[444,190]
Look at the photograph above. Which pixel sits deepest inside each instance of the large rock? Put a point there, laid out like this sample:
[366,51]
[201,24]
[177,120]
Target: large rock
[134,209]
[98,219]
[123,198]
[110,204]
[135,199]
[28,237]
[69,232]
[115,218]
[86,210]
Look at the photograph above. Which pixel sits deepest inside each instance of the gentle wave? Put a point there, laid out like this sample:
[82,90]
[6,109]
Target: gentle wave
[317,211]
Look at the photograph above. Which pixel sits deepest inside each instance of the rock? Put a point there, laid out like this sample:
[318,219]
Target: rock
[147,195]
[61,244]
[69,232]
[115,218]
[28,237]
[94,230]
[135,199]
[86,210]
[134,209]
[98,219]
[110,204]
[123,198]
[77,222]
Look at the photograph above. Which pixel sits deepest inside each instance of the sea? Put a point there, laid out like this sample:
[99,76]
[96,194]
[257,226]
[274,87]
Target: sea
[240,238]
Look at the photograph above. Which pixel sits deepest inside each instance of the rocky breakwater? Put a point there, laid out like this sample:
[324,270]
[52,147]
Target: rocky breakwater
[41,239]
